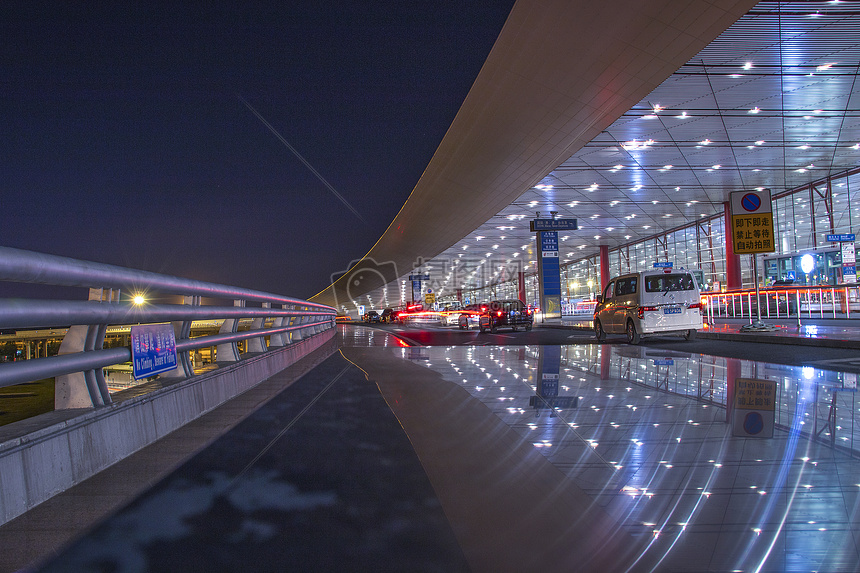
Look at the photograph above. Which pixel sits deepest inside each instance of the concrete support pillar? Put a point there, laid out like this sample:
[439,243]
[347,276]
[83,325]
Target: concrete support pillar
[733,261]
[258,344]
[229,352]
[182,331]
[81,389]
[281,339]
[604,266]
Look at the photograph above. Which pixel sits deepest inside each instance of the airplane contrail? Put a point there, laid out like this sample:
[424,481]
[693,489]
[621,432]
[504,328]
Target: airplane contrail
[302,159]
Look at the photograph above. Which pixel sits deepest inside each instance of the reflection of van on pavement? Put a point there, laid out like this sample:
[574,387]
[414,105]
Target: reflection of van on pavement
[660,301]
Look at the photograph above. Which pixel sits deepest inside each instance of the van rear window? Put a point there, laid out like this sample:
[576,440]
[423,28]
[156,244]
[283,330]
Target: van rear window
[663,283]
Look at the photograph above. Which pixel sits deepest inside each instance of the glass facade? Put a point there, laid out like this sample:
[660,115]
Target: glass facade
[803,218]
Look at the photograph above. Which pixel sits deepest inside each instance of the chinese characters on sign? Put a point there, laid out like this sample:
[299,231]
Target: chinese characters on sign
[752,222]
[553,225]
[755,394]
[753,408]
[753,233]
[153,349]
[849,264]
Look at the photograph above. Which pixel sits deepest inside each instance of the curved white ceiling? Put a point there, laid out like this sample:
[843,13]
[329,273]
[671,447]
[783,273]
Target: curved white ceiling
[562,88]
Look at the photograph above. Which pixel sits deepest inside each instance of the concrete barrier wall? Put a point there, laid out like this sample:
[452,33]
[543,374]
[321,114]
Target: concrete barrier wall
[50,460]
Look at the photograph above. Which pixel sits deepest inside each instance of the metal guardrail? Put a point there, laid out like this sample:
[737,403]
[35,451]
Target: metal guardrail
[292,321]
[837,302]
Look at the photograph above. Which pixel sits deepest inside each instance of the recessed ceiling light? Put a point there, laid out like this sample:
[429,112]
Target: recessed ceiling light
[754,110]
[705,142]
[748,66]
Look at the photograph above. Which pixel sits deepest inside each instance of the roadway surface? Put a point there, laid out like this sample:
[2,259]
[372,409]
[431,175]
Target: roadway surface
[840,359]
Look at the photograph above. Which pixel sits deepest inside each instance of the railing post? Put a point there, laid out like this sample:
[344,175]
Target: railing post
[797,298]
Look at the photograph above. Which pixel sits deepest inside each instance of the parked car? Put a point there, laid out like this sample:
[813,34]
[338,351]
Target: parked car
[661,301]
[505,313]
[388,315]
[468,316]
[371,316]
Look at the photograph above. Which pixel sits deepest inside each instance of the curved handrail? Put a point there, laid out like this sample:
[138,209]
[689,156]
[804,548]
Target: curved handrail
[295,316]
[18,265]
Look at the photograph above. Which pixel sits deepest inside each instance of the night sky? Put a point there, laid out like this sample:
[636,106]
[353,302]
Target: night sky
[123,138]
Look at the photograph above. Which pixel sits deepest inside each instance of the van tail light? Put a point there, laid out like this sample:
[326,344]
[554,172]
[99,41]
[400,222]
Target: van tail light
[695,305]
[644,309]
[498,313]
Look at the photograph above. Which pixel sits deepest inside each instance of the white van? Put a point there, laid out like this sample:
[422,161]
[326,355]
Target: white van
[659,301]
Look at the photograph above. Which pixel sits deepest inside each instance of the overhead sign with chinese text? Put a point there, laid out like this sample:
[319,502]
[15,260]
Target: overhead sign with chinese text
[752,222]
[549,273]
[153,349]
[553,225]
[849,263]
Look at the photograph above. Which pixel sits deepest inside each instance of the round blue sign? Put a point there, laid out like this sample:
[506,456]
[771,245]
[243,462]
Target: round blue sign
[753,423]
[751,202]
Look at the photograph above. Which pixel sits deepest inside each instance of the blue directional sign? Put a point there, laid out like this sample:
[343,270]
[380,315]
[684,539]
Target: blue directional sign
[419,277]
[153,349]
[553,225]
[663,265]
[840,238]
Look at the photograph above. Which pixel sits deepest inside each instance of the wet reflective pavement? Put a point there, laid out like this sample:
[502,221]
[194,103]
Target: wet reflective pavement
[541,458]
[644,434]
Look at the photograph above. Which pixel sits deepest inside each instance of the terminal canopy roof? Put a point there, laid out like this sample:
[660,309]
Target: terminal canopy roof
[632,117]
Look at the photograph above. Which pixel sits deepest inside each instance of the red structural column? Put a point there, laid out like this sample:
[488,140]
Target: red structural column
[604,266]
[733,371]
[733,261]
[521,289]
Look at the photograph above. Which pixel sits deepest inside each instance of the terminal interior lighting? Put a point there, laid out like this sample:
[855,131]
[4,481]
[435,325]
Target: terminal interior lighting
[807,263]
[138,299]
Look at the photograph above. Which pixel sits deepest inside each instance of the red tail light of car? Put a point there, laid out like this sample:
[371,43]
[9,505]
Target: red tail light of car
[644,309]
